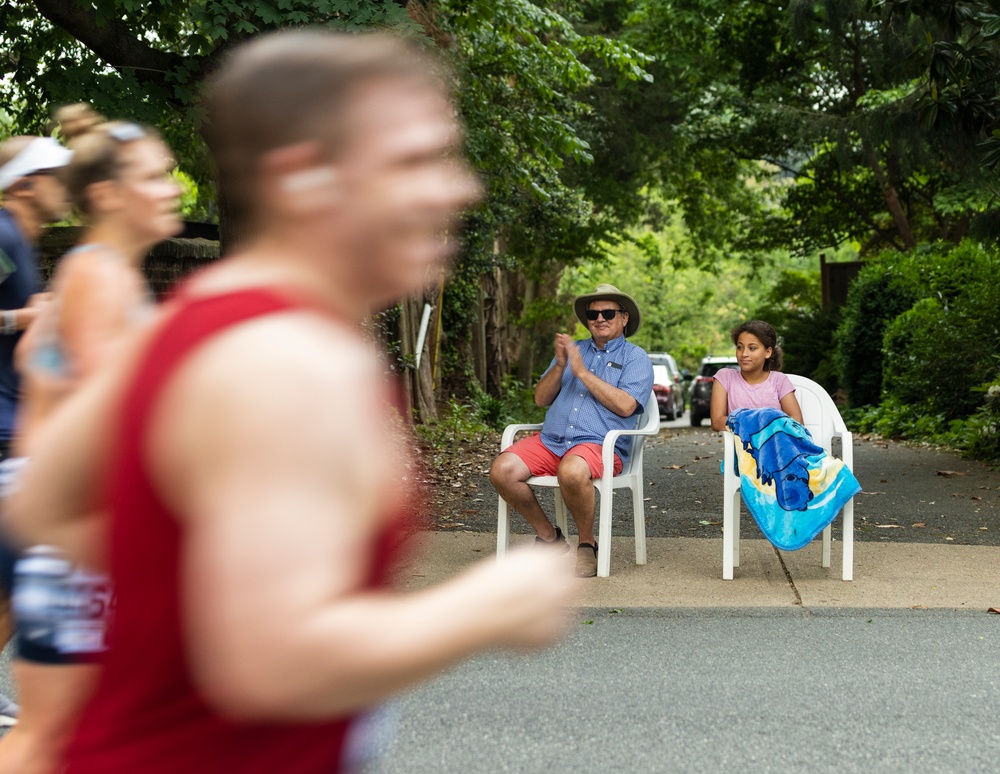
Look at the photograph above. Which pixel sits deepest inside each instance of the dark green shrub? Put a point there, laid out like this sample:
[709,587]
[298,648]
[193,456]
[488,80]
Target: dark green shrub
[882,291]
[940,350]
[981,434]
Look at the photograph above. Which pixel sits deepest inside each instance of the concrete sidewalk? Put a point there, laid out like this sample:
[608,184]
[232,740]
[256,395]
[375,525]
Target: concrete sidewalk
[687,572]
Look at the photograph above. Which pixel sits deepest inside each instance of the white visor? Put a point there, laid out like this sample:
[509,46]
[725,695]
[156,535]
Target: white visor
[41,154]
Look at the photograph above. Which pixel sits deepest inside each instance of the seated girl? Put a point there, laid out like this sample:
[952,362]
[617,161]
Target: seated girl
[758,383]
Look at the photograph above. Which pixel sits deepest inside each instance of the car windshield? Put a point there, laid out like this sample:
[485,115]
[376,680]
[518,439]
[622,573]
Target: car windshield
[710,369]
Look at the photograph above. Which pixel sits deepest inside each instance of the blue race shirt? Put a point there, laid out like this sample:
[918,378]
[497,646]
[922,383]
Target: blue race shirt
[19,280]
[576,416]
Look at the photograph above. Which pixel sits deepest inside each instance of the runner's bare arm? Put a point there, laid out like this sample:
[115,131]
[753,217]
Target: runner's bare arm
[56,499]
[287,483]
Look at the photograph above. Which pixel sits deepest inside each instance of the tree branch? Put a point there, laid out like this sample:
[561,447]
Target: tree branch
[113,41]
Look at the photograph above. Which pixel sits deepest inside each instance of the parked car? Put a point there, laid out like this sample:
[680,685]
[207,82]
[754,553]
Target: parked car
[700,395]
[668,385]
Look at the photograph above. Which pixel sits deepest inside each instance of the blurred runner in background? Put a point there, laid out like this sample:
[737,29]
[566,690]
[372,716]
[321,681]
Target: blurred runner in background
[33,196]
[120,181]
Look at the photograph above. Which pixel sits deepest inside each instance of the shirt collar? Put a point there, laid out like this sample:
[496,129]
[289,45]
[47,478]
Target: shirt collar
[611,346]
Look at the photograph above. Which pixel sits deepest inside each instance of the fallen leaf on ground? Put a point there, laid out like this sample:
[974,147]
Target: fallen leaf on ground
[883,481]
[918,607]
[975,497]
[673,467]
[919,524]
[950,473]
[993,610]
[949,538]
[889,526]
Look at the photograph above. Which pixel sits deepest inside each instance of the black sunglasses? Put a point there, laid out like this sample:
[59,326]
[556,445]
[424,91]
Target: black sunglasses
[607,314]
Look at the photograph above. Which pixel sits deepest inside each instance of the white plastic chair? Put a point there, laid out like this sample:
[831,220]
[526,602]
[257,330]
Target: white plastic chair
[823,420]
[631,477]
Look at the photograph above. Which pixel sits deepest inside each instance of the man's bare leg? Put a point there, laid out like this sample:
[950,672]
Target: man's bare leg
[577,489]
[508,474]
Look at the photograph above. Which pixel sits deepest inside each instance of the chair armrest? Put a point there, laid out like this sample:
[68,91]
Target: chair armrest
[608,447]
[846,447]
[511,430]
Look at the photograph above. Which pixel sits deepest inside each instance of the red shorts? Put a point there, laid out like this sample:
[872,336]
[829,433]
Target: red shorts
[542,462]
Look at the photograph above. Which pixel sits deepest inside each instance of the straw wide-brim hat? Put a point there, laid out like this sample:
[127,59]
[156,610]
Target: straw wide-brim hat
[606,292]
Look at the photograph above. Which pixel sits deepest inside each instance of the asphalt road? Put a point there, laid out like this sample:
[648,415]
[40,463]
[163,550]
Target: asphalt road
[782,690]
[911,494]
[704,692]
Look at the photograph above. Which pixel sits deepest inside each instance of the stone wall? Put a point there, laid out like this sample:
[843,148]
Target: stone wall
[166,263]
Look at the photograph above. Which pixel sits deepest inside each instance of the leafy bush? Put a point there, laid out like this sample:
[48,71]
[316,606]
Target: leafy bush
[894,419]
[881,291]
[979,436]
[938,351]
[464,422]
[457,422]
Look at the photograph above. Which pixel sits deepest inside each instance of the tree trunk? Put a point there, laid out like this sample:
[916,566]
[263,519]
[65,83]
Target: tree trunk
[891,194]
[479,338]
[525,348]
[495,330]
[417,381]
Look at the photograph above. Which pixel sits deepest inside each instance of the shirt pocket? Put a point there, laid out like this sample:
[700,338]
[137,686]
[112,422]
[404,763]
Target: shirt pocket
[612,372]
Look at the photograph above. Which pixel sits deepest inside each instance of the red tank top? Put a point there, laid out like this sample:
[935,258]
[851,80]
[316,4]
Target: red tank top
[146,715]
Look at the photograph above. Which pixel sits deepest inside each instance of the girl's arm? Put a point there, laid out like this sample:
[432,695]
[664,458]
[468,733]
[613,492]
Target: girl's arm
[720,406]
[790,405]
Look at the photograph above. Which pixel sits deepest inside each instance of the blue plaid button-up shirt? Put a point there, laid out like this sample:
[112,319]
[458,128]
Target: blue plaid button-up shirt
[576,416]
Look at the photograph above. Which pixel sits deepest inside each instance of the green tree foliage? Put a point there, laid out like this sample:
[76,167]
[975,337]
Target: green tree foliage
[525,75]
[877,115]
[145,60]
[686,310]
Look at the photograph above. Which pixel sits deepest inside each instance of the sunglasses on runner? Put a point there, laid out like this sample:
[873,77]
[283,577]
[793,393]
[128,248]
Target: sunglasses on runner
[607,314]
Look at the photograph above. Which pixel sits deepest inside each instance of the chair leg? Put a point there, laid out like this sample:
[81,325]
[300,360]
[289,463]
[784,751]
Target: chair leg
[604,536]
[503,528]
[561,519]
[639,517]
[737,501]
[729,503]
[848,572]
[730,535]
[827,540]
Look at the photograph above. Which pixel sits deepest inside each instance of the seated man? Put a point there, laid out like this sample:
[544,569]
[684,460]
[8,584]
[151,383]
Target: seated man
[593,386]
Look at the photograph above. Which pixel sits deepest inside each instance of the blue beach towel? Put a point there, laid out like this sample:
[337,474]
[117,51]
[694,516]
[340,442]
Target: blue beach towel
[791,486]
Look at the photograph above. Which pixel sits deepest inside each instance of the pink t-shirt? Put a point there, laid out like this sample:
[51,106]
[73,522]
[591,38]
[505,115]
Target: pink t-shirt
[767,394]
